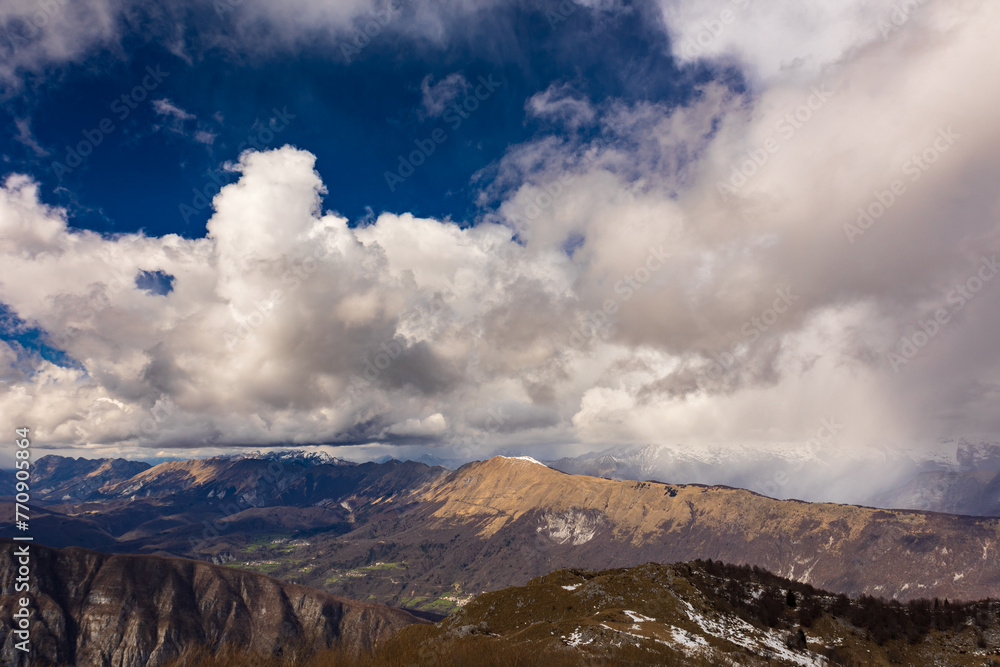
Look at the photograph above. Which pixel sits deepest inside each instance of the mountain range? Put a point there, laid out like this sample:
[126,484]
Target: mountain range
[427,538]
[206,534]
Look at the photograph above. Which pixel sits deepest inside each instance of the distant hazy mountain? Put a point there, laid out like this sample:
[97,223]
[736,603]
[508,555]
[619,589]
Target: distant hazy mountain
[823,475]
[66,478]
[138,611]
[256,479]
[409,535]
[976,455]
[293,456]
[969,484]
[975,493]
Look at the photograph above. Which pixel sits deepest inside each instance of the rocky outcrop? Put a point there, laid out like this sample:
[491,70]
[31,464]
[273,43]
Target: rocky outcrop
[92,608]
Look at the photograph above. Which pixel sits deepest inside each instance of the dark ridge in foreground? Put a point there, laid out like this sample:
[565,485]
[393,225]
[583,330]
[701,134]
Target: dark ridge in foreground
[699,613]
[708,613]
[92,608]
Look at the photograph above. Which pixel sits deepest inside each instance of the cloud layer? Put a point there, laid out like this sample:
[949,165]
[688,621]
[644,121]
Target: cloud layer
[737,269]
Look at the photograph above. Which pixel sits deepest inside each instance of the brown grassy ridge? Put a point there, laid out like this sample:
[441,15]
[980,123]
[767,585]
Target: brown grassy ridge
[477,652]
[483,652]
[867,631]
[523,625]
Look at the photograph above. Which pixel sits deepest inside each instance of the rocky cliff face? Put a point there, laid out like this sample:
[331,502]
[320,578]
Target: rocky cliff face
[141,611]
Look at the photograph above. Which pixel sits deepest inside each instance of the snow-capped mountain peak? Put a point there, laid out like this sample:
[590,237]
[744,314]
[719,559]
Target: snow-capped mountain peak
[295,456]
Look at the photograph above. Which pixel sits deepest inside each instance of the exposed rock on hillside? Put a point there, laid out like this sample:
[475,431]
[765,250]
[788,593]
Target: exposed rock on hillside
[142,611]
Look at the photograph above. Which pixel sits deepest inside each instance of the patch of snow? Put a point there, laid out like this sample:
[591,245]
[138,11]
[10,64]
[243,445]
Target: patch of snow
[572,587]
[694,640]
[524,458]
[576,639]
[637,618]
[737,631]
[686,640]
[680,637]
[293,456]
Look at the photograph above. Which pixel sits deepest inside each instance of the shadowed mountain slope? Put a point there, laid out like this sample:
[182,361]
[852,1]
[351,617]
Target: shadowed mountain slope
[141,611]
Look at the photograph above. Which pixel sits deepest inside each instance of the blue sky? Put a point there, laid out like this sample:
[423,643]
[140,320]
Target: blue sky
[356,109]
